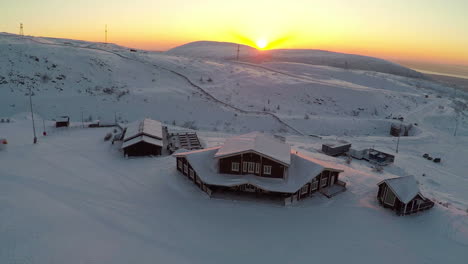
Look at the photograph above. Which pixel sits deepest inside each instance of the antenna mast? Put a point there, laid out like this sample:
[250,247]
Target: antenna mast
[21,29]
[105,35]
[238,50]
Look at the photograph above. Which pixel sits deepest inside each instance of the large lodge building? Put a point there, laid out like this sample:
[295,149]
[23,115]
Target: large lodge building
[260,164]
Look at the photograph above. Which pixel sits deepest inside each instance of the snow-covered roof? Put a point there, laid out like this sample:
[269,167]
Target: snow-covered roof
[335,144]
[256,142]
[302,169]
[62,119]
[147,126]
[142,138]
[405,188]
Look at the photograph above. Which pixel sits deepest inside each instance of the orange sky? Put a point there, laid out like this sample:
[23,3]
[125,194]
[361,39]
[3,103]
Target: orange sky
[431,30]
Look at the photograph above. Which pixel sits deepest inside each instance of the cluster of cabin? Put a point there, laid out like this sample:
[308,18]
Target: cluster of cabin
[258,165]
[263,166]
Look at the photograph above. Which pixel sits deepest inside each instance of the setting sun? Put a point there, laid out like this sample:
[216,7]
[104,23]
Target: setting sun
[261,43]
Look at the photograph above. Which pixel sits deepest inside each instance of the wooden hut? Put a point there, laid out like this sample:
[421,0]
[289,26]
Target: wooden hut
[259,164]
[402,195]
[62,121]
[144,138]
[336,148]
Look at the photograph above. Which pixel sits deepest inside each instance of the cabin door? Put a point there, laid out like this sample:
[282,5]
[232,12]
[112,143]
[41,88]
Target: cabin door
[332,181]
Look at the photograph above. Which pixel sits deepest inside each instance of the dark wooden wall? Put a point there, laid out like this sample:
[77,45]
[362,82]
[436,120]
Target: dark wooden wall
[277,169]
[142,149]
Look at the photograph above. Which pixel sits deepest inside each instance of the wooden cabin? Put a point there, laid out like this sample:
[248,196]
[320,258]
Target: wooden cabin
[402,195]
[62,121]
[144,138]
[336,148]
[260,164]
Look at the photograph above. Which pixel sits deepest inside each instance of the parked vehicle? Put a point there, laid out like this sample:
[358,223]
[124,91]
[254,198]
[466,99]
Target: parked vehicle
[3,143]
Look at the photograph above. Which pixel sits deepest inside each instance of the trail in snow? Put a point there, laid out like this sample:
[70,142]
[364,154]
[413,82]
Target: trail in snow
[187,79]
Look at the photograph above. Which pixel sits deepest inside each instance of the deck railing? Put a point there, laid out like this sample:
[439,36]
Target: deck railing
[423,206]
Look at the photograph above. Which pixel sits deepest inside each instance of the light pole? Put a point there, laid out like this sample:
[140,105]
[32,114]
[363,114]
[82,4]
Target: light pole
[399,133]
[32,115]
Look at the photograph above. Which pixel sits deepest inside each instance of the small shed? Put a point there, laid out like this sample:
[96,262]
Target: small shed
[402,195]
[62,121]
[336,148]
[379,157]
[144,138]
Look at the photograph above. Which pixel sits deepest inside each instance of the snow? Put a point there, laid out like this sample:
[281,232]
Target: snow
[73,198]
[256,142]
[223,50]
[405,188]
[142,138]
[79,201]
[149,127]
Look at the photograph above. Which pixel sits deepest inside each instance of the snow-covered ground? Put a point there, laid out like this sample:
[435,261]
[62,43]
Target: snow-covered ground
[73,198]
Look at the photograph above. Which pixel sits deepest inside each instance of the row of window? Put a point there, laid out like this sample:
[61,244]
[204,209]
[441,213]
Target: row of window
[314,185]
[251,167]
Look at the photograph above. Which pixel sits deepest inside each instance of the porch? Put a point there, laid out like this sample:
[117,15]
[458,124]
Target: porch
[330,191]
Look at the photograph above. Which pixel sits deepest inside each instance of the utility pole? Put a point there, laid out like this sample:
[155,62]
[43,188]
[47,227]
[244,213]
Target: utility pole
[399,133]
[105,41]
[43,123]
[32,115]
[82,122]
[238,50]
[456,125]
[21,30]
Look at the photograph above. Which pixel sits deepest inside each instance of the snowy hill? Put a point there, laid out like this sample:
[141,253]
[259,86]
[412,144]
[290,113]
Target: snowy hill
[224,50]
[74,198]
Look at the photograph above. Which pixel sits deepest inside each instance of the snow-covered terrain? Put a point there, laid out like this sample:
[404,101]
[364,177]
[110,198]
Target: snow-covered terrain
[223,50]
[74,198]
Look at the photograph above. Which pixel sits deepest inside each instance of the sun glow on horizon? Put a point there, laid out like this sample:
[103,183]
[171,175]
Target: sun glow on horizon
[261,43]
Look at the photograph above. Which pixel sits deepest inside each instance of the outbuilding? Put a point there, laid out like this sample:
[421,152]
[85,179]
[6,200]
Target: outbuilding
[336,148]
[144,138]
[402,195]
[379,157]
[62,121]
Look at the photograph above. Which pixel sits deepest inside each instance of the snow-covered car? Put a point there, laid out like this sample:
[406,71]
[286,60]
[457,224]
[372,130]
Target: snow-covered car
[3,143]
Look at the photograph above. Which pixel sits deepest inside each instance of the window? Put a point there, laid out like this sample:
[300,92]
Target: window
[305,189]
[235,166]
[267,169]
[244,166]
[179,164]
[314,184]
[251,167]
[323,182]
[257,168]
[191,173]
[185,168]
